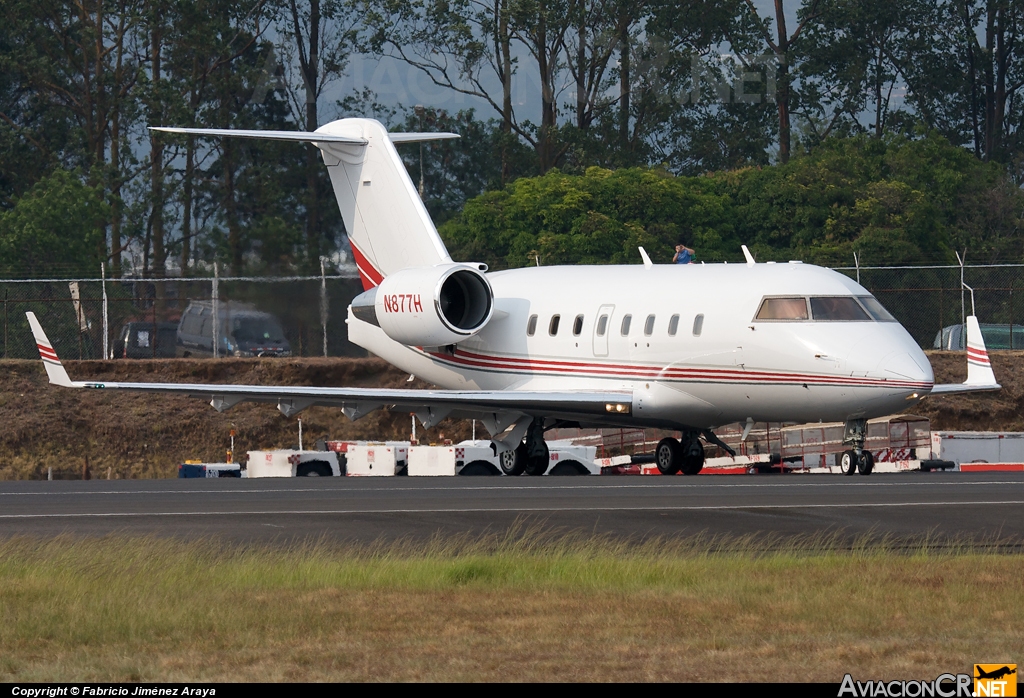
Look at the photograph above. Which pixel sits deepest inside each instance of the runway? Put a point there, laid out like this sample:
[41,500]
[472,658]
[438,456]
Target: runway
[975,506]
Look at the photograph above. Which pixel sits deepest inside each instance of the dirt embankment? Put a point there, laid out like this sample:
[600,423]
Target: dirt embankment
[148,435]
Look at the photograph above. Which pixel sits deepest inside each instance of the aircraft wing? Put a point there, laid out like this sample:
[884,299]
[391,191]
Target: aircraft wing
[497,407]
[979,369]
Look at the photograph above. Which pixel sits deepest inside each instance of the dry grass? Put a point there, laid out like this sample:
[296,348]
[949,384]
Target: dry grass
[520,608]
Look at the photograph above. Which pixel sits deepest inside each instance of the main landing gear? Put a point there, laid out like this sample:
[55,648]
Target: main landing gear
[686,455]
[531,456]
[856,459]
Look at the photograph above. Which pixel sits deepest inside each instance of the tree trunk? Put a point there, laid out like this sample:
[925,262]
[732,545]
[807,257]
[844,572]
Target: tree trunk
[624,78]
[783,87]
[186,206]
[581,59]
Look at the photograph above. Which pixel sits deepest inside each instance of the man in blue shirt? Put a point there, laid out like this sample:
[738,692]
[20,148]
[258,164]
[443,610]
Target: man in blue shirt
[683,255]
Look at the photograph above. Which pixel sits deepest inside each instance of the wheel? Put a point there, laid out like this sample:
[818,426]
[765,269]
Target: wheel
[668,456]
[513,462]
[569,467]
[479,467]
[313,468]
[866,464]
[538,464]
[693,458]
[848,462]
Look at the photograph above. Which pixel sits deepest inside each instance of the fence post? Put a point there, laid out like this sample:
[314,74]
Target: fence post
[323,303]
[5,322]
[216,319]
[106,331]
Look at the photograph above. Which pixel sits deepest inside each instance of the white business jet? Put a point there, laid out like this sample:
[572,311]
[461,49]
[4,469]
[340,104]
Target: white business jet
[680,347]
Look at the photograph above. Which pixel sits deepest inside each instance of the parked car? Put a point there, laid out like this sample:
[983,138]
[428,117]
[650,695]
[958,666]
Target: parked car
[145,340]
[242,331]
[996,336]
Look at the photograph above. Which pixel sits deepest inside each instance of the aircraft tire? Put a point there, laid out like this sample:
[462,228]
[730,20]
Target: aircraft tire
[513,462]
[538,465]
[866,463]
[848,463]
[668,456]
[693,458]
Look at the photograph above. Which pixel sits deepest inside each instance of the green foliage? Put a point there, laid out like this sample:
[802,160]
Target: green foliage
[893,201]
[56,228]
[599,217]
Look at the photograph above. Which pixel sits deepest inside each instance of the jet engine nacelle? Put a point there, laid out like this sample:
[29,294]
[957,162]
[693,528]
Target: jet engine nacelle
[429,306]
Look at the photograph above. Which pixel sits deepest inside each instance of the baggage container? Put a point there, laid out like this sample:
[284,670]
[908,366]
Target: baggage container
[978,447]
[377,459]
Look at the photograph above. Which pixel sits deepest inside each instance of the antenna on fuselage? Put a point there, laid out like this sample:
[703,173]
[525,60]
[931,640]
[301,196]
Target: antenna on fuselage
[749,257]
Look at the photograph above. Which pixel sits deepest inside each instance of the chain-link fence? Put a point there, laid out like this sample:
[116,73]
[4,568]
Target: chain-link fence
[78,313]
[928,299]
[312,310]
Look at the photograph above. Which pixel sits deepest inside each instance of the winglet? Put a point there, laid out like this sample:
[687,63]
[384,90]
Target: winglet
[54,369]
[647,259]
[749,257]
[979,368]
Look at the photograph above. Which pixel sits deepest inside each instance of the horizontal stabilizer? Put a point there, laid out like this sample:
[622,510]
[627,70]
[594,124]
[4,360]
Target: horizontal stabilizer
[980,376]
[418,137]
[302,136]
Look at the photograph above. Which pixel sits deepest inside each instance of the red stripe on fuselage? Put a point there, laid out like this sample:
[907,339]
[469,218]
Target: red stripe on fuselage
[368,274]
[514,364]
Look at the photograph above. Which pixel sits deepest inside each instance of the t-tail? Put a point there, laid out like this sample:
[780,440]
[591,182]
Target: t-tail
[387,224]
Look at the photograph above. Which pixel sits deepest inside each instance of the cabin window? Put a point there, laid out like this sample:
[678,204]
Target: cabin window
[602,325]
[875,309]
[577,325]
[838,309]
[649,326]
[673,325]
[626,320]
[698,325]
[782,309]
[553,325]
[531,326]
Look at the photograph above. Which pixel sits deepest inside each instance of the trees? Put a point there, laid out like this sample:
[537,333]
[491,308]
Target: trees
[56,225]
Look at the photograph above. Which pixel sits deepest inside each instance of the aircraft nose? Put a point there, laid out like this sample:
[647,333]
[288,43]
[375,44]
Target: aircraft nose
[912,366]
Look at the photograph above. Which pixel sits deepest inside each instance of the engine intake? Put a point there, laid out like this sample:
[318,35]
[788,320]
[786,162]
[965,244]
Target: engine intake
[429,306]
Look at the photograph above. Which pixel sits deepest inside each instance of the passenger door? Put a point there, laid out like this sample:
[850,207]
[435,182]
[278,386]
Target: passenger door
[602,327]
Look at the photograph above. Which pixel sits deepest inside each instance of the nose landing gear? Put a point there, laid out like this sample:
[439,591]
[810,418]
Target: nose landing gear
[686,456]
[857,458]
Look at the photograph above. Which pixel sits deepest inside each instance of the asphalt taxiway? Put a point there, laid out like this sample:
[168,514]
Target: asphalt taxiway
[974,506]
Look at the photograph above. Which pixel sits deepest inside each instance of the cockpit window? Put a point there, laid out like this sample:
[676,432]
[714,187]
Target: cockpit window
[782,309]
[838,309]
[875,309]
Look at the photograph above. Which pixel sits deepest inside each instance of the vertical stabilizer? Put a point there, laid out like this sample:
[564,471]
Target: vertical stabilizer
[386,221]
[979,368]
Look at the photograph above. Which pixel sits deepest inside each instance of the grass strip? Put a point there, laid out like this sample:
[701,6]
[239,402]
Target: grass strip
[526,605]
